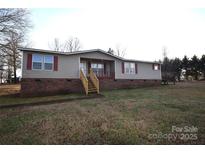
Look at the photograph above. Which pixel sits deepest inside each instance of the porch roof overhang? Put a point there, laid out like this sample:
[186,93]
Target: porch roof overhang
[83,52]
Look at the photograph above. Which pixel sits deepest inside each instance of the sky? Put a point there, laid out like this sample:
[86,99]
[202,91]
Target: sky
[142,32]
[143,28]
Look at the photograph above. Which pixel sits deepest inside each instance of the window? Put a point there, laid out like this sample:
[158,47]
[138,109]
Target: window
[130,68]
[40,62]
[83,67]
[156,67]
[48,62]
[127,68]
[97,66]
[37,61]
[98,69]
[94,65]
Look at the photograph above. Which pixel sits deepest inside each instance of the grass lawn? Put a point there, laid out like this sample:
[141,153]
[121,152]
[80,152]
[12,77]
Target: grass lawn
[131,116]
[9,96]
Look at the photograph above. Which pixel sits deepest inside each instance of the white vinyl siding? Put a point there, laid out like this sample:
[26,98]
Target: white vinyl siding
[129,68]
[68,67]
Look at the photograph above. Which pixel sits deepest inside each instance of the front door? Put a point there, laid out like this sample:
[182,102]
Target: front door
[83,67]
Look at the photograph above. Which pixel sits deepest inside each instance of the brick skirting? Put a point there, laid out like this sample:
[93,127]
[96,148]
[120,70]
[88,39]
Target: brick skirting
[49,86]
[127,83]
[36,87]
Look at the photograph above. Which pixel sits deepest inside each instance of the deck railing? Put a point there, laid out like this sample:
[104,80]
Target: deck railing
[103,74]
[84,80]
[95,80]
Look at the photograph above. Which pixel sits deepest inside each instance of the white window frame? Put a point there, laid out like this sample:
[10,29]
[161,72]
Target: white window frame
[43,62]
[129,68]
[97,64]
[156,67]
[44,56]
[39,62]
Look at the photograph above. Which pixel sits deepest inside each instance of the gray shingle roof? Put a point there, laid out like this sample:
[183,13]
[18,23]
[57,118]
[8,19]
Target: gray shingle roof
[82,52]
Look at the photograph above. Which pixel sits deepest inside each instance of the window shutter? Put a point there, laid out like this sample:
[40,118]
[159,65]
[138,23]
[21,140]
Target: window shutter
[158,66]
[123,68]
[29,61]
[136,68]
[153,66]
[55,63]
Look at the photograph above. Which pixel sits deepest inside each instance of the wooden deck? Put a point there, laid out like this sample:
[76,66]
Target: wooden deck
[9,89]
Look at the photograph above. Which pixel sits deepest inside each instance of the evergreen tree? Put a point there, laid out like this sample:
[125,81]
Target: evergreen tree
[177,67]
[185,66]
[194,65]
[202,65]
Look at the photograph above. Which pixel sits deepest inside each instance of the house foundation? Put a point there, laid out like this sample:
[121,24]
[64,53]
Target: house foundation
[49,86]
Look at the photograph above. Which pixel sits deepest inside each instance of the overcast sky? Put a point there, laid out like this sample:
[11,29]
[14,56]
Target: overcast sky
[142,27]
[143,32]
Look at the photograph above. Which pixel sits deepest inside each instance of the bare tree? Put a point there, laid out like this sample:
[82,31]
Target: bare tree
[13,55]
[13,20]
[1,72]
[72,44]
[120,51]
[164,51]
[56,45]
[14,24]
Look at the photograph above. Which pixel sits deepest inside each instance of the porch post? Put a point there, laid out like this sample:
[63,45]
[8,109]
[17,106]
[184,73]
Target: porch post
[89,67]
[104,69]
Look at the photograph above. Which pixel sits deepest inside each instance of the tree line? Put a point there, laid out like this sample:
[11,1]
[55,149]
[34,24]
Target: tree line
[194,66]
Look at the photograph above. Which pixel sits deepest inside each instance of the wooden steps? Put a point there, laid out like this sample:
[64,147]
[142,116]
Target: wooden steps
[91,86]
[91,83]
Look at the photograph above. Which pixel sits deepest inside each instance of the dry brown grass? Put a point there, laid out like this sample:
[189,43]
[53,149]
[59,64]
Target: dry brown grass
[121,117]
